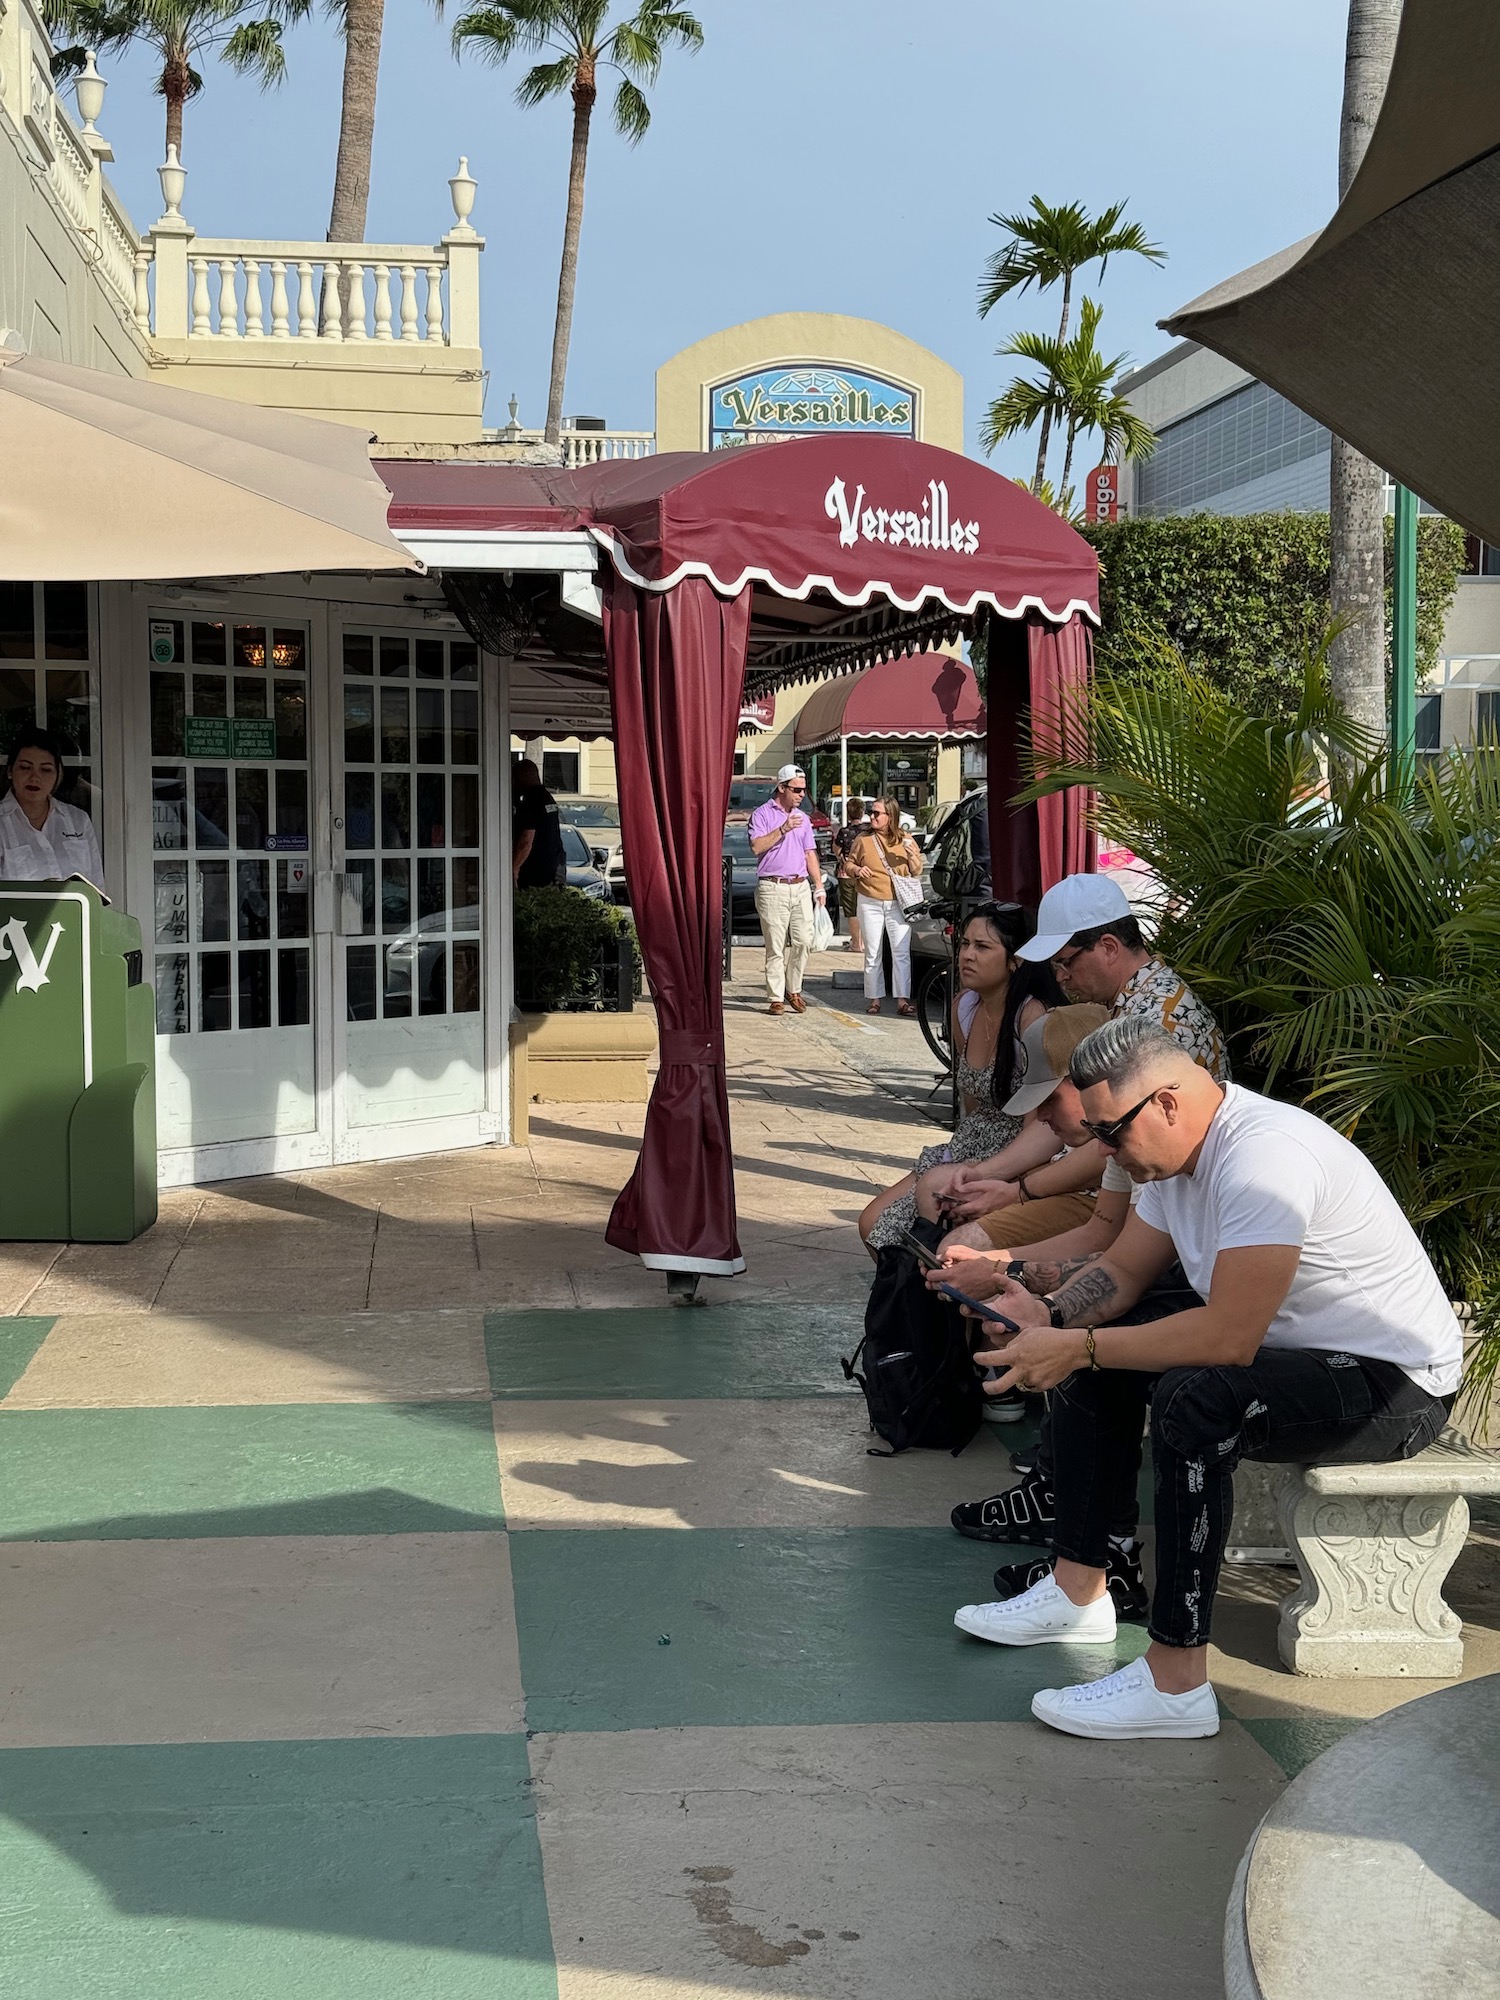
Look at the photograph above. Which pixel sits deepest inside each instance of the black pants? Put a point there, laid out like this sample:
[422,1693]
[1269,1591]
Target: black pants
[1290,1406]
[1170,1294]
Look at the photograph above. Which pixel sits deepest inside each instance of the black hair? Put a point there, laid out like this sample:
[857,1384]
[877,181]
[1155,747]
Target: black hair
[39,739]
[1126,929]
[1013,926]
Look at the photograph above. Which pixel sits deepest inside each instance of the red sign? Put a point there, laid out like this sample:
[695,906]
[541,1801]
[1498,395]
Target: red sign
[759,714]
[1101,494]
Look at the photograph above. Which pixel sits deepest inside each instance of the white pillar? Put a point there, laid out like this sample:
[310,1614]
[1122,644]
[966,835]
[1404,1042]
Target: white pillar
[844,775]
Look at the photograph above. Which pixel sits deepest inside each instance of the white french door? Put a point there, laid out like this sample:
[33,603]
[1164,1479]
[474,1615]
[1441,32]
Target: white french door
[313,795]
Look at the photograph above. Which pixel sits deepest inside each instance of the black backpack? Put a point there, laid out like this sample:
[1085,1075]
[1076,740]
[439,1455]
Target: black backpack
[919,1382]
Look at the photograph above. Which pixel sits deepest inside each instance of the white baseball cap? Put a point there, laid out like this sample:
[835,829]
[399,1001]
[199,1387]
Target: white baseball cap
[789,771]
[1076,903]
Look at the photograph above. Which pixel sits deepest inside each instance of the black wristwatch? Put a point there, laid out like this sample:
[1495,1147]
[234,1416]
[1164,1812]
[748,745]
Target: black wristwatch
[1015,1270]
[1054,1312]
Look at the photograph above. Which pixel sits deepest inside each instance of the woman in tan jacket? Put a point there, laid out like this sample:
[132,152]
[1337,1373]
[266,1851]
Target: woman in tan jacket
[876,857]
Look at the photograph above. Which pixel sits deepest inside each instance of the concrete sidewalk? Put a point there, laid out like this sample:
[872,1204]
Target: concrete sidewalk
[379,1622]
[500,1226]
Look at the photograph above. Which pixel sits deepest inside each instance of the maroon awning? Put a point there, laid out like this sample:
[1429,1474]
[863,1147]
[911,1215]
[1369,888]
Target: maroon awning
[932,696]
[850,518]
[729,574]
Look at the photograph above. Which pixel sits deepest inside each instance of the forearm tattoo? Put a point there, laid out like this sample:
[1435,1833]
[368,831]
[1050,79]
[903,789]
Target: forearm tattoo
[1046,1276]
[1088,1299]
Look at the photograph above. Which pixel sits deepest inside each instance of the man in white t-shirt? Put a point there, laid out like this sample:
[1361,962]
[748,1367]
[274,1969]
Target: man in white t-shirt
[1324,1334]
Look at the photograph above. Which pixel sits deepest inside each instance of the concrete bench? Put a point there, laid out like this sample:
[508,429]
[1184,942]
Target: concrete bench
[1373,1545]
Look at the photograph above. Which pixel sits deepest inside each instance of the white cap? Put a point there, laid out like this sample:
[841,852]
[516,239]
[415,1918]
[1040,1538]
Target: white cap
[1076,903]
[789,771]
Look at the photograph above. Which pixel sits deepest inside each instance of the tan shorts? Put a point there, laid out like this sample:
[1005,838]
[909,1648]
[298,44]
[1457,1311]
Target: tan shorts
[849,898]
[1036,1221]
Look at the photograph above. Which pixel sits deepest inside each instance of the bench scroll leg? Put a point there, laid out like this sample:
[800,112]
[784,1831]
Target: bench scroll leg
[1372,1567]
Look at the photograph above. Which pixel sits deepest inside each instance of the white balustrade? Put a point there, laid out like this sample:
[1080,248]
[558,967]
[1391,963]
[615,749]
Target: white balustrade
[172,284]
[586,447]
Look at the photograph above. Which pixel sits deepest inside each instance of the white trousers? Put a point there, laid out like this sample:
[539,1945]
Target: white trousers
[785,912]
[878,920]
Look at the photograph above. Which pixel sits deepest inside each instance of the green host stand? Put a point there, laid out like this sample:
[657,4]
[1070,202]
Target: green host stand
[77,1089]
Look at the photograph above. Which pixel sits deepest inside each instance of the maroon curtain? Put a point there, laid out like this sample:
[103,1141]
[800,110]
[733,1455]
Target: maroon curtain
[676,668]
[1036,672]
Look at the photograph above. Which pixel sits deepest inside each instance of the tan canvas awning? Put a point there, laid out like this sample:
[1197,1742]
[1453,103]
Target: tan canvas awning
[104,477]
[1384,326]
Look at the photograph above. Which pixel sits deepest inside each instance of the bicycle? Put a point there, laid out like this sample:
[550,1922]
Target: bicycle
[933,1000]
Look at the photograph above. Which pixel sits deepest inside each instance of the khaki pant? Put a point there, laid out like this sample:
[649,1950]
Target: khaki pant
[1036,1221]
[785,912]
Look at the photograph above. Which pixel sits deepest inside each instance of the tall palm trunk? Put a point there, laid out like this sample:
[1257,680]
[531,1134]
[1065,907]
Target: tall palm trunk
[1062,334]
[584,93]
[176,81]
[1356,658]
[363,24]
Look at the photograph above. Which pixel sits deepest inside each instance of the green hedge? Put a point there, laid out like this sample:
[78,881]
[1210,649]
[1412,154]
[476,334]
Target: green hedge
[560,936]
[1245,596]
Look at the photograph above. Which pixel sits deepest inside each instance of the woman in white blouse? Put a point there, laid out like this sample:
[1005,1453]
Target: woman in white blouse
[41,839]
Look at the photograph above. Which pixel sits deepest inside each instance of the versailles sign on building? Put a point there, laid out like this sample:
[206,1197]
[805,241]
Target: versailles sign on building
[805,375]
[777,402]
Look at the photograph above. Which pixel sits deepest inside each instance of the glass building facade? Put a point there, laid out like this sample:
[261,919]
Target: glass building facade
[1250,452]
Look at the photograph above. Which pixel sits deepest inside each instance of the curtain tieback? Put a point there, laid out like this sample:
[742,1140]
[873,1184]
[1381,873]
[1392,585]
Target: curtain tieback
[692,1048]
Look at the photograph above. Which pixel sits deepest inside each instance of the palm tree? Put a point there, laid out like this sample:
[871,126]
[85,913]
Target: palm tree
[1350,945]
[576,36]
[1075,390]
[181,33]
[1356,497]
[1048,247]
[361,22]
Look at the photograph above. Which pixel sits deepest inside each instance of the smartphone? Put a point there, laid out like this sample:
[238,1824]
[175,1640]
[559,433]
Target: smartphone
[975,1305]
[920,1251]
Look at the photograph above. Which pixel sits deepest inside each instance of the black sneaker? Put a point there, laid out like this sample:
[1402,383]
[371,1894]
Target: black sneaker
[1023,1514]
[1122,1576]
[1007,1408]
[1024,1460]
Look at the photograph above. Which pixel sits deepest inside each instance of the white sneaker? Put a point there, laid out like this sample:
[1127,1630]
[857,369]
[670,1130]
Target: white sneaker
[1041,1616]
[1127,1703]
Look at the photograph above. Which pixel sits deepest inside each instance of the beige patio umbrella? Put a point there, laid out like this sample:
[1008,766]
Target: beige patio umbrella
[1386,327]
[105,477]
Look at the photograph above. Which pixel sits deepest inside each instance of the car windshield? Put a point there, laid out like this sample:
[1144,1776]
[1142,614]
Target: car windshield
[590,812]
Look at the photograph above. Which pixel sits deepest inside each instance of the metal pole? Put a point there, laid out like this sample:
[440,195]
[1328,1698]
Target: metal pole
[844,774]
[1404,640]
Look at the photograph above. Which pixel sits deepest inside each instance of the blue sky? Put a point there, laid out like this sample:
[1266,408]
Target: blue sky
[836,155]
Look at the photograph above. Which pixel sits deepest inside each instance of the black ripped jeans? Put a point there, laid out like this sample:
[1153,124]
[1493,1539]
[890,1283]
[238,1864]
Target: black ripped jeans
[1170,1293]
[1290,1406]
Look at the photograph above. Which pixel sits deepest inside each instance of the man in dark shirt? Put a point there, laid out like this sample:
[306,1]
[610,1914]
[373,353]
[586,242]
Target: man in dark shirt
[537,859]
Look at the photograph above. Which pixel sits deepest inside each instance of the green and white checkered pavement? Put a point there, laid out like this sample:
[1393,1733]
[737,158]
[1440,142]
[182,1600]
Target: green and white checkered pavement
[547,1653]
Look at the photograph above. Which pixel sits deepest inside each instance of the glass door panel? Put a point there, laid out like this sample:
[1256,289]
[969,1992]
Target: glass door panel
[414,1042]
[231,878]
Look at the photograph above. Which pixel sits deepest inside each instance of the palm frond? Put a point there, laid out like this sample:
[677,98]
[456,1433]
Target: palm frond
[544,80]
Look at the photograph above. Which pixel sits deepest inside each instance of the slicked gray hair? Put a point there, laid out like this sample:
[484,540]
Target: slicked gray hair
[1122,1050]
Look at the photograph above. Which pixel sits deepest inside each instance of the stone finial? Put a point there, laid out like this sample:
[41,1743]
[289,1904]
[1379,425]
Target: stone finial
[173,177]
[463,187]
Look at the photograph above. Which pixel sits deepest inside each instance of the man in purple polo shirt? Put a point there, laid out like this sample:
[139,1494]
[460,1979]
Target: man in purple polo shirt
[791,880]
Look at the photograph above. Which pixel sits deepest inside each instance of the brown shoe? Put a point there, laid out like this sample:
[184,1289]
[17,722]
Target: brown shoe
[776,1007]
[796,1002]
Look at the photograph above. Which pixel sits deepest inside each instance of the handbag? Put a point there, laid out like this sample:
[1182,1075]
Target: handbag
[907,889]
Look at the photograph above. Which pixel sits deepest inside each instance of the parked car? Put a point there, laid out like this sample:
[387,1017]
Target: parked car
[586,865]
[742,902]
[599,822]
